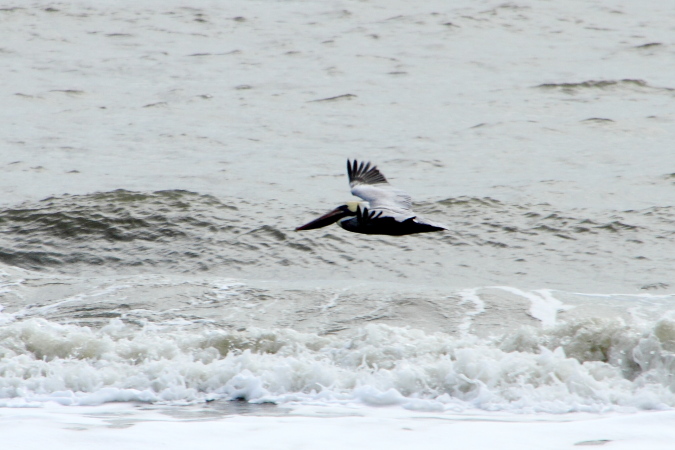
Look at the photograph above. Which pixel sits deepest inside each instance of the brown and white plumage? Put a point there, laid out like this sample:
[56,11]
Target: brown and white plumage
[385,209]
[370,185]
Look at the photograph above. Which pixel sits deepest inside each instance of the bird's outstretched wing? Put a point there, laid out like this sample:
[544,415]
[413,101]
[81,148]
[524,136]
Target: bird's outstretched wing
[364,216]
[368,183]
[363,174]
[379,221]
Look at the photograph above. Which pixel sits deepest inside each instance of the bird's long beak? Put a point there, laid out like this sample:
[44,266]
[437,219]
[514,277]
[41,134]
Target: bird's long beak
[325,220]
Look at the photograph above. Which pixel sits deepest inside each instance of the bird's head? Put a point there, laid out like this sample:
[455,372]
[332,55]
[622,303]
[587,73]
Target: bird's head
[346,210]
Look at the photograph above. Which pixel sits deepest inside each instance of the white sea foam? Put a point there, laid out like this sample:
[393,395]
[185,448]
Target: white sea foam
[545,306]
[599,366]
[470,296]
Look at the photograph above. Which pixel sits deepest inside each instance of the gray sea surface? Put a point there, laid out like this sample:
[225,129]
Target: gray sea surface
[157,157]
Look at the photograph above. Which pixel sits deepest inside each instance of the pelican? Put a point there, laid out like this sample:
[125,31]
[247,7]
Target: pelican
[384,209]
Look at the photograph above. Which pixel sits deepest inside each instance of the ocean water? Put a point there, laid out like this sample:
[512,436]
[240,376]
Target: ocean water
[157,157]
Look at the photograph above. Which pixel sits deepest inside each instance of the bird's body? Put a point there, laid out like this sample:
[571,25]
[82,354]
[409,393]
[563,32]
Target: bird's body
[384,209]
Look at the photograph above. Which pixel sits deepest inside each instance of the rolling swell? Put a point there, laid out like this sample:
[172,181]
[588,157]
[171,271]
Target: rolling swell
[115,229]
[489,241]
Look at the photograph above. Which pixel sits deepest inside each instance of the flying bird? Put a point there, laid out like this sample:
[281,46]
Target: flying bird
[384,209]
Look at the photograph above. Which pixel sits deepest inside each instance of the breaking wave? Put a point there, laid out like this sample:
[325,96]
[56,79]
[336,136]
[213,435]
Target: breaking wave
[603,365]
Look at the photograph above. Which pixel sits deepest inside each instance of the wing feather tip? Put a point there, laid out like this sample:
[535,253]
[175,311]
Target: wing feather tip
[364,172]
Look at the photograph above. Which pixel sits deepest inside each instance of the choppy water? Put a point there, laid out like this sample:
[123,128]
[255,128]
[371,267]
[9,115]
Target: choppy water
[490,242]
[177,296]
[193,141]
